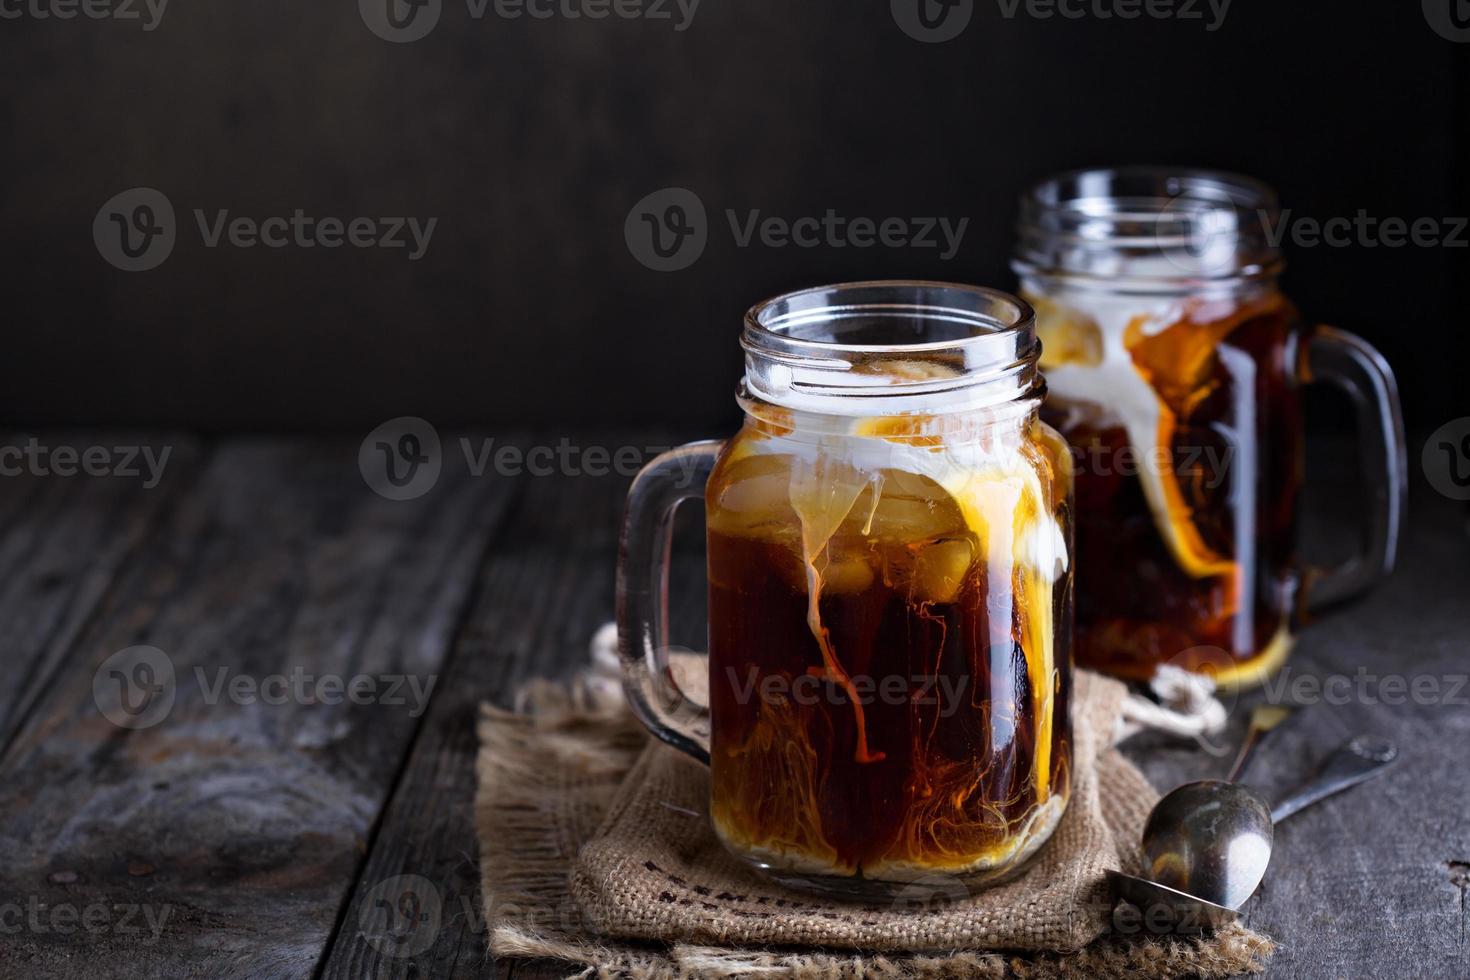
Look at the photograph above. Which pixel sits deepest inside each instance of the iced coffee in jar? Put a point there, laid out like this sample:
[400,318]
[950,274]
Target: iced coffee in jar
[1175,366]
[890,587]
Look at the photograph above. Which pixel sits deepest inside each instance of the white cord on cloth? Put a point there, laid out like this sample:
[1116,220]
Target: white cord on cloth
[1186,704]
[606,674]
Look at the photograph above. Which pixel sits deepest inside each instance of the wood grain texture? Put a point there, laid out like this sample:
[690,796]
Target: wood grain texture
[271,833]
[63,538]
[1373,882]
[238,822]
[546,587]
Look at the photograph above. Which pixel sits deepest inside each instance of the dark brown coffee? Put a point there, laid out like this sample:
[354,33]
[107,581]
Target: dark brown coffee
[899,705]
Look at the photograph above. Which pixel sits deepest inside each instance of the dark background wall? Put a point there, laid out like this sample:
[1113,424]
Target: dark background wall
[531,140]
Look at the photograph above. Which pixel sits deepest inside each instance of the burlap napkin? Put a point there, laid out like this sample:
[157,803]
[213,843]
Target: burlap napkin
[595,849]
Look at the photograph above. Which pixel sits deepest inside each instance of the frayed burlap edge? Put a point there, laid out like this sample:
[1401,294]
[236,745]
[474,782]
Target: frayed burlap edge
[546,774]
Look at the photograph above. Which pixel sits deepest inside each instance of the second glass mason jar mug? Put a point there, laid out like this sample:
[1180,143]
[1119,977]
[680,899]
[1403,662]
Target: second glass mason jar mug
[1174,366]
[890,586]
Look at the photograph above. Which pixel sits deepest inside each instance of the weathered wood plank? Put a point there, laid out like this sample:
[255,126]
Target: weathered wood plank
[546,588]
[1371,883]
[246,824]
[64,532]
[547,584]
[1359,886]
[238,821]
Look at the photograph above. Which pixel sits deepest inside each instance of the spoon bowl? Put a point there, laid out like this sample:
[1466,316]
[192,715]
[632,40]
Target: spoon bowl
[1210,839]
[1207,843]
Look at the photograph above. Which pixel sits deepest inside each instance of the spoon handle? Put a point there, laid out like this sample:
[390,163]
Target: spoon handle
[1264,720]
[1356,761]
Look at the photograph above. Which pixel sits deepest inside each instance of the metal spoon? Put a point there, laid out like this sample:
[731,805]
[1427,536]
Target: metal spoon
[1207,843]
[1265,719]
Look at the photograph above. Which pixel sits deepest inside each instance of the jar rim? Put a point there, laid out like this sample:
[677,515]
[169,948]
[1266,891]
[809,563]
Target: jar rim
[912,342]
[768,324]
[1143,182]
[1165,225]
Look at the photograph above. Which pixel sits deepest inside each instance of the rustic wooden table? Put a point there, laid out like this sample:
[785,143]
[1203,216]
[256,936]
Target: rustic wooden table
[255,828]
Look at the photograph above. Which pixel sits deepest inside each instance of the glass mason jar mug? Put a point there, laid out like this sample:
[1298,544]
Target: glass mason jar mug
[890,594]
[1174,366]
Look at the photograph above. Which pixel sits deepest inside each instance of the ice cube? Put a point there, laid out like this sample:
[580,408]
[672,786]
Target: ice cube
[753,492]
[909,508]
[1068,336]
[845,576]
[940,569]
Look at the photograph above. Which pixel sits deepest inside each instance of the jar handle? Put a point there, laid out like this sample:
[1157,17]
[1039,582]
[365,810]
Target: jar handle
[643,607]
[1353,365]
